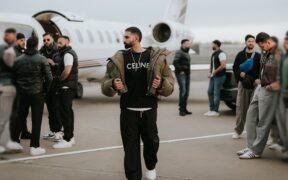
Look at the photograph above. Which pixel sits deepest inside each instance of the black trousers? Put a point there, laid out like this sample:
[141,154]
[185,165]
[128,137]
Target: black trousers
[53,110]
[36,102]
[65,100]
[135,125]
[14,116]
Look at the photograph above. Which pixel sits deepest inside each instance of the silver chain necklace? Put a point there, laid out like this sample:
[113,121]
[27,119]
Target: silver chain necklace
[138,62]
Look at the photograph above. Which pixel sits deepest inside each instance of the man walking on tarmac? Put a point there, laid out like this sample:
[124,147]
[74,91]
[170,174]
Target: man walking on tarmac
[138,75]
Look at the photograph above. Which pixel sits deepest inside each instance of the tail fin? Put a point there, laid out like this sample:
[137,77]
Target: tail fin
[177,11]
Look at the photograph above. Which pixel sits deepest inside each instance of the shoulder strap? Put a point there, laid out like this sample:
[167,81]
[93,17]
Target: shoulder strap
[253,55]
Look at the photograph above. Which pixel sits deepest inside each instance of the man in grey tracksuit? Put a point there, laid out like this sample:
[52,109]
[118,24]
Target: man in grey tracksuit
[262,109]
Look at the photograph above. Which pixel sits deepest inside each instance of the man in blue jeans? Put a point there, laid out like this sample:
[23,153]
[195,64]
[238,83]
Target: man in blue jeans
[181,63]
[217,78]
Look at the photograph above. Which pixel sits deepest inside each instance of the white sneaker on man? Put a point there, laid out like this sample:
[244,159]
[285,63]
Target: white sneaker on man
[49,135]
[276,147]
[58,137]
[72,140]
[151,174]
[242,151]
[13,146]
[236,135]
[63,144]
[37,151]
[213,114]
[249,155]
[208,113]
[2,149]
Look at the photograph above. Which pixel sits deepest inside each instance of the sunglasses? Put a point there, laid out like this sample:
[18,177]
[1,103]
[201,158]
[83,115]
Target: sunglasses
[46,40]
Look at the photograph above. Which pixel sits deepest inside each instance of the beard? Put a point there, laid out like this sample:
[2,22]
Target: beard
[127,46]
[186,49]
[213,48]
[250,47]
[63,47]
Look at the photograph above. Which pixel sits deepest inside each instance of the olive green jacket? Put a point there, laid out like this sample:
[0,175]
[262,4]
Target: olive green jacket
[284,74]
[158,67]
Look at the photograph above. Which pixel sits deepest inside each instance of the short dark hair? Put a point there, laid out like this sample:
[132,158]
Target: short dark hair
[47,34]
[248,36]
[184,40]
[287,33]
[262,37]
[275,39]
[65,37]
[217,42]
[32,42]
[20,36]
[135,30]
[10,30]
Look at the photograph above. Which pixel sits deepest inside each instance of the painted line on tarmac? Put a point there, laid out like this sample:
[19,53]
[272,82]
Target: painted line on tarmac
[107,148]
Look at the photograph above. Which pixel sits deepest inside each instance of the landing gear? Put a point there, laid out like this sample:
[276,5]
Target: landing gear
[79,93]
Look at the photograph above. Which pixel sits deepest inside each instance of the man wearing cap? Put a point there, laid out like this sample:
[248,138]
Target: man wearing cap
[31,71]
[217,78]
[247,79]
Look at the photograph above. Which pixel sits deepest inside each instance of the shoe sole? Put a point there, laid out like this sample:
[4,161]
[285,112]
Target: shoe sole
[37,154]
[250,158]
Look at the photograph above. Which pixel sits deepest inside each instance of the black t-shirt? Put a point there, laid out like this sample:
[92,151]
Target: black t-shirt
[136,66]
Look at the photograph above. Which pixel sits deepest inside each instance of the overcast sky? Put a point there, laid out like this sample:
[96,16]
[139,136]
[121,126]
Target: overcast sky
[223,19]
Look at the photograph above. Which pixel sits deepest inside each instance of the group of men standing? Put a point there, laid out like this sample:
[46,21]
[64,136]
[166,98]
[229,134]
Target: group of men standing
[262,95]
[262,90]
[28,79]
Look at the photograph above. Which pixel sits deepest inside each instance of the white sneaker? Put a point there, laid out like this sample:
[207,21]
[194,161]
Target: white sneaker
[271,142]
[151,175]
[249,155]
[276,147]
[2,149]
[13,146]
[208,113]
[37,151]
[58,137]
[243,151]
[236,136]
[72,140]
[213,114]
[49,135]
[62,144]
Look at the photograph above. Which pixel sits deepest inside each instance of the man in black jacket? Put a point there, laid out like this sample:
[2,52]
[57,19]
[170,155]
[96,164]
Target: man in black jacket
[51,52]
[31,70]
[16,51]
[247,82]
[67,85]
[181,63]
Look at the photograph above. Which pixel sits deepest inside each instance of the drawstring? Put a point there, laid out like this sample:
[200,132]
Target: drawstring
[141,113]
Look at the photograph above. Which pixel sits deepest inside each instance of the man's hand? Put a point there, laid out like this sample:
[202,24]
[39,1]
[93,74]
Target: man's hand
[118,84]
[275,86]
[242,75]
[156,82]
[257,82]
[51,62]
[209,75]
